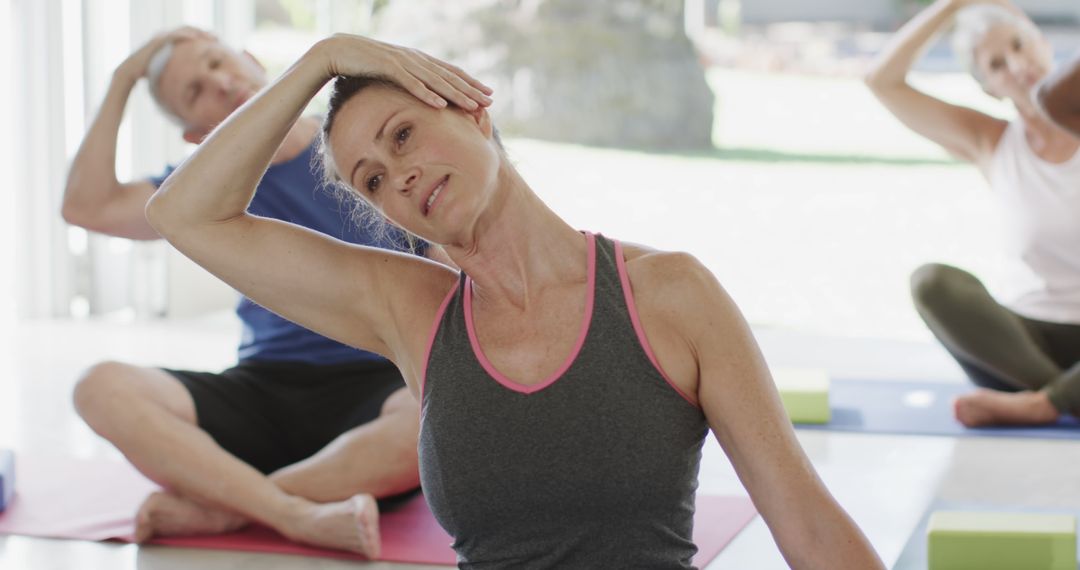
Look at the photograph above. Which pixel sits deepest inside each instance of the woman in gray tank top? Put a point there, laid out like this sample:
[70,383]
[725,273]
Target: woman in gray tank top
[567,380]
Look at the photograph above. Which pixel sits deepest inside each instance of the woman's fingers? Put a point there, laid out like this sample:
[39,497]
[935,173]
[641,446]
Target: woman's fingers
[418,88]
[450,87]
[441,78]
[428,78]
[461,74]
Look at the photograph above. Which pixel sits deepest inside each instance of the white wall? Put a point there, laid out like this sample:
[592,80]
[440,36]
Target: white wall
[8,99]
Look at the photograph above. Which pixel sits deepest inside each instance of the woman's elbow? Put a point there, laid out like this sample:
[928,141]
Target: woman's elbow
[871,79]
[157,211]
[878,82]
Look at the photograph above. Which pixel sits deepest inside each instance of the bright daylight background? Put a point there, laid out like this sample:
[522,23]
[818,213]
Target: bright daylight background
[812,206]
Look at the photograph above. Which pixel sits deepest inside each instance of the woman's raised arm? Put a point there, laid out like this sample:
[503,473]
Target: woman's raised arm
[966,133]
[343,291]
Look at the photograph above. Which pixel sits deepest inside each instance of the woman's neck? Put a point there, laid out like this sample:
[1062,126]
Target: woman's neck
[517,247]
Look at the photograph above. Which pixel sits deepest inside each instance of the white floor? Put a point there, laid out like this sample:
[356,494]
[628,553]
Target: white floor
[885,482]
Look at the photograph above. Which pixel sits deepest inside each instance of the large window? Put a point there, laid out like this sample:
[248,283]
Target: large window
[64,52]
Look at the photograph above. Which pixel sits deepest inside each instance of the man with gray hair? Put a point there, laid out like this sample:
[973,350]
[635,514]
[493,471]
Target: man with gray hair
[304,434]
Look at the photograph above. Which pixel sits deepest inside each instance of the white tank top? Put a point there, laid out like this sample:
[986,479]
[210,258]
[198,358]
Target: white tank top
[1041,202]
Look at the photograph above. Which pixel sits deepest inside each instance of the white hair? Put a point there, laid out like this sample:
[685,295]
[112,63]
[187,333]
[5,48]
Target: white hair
[154,70]
[973,22]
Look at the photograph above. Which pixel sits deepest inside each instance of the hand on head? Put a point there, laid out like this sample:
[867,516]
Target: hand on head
[431,80]
[138,63]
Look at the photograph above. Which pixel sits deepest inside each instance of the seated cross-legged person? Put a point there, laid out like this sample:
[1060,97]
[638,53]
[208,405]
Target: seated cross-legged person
[304,434]
[1024,351]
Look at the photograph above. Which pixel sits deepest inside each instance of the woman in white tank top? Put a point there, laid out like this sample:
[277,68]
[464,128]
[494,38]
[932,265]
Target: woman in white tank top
[1023,349]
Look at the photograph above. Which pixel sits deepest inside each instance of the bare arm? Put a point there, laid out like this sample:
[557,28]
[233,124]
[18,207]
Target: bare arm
[707,349]
[93,197]
[363,296]
[965,133]
[1059,96]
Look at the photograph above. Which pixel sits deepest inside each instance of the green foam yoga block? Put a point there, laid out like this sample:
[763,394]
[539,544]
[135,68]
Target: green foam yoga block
[1001,541]
[804,393]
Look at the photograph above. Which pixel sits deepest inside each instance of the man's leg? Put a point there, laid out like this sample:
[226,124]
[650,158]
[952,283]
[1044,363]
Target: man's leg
[151,418]
[378,457]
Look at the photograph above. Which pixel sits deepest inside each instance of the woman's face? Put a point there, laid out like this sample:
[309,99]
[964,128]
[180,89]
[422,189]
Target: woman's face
[1012,61]
[430,171]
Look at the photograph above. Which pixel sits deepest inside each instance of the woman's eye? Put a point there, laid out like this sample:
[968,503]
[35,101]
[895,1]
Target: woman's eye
[1017,44]
[372,183]
[214,63]
[402,135]
[997,64]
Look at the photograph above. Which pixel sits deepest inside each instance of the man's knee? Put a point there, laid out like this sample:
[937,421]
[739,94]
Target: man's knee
[100,385]
[936,285]
[400,402]
[401,411]
[107,389]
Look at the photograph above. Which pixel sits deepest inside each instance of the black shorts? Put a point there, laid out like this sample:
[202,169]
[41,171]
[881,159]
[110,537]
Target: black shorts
[274,414]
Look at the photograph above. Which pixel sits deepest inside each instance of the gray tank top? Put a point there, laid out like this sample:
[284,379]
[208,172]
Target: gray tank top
[595,467]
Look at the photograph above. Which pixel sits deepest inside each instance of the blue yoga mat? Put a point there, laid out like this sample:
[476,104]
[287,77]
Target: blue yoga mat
[913,557]
[917,408]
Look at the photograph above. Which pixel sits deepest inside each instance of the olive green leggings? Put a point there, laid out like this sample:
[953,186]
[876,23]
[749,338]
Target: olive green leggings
[996,347]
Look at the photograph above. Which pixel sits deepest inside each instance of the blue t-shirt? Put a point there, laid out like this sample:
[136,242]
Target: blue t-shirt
[291,191]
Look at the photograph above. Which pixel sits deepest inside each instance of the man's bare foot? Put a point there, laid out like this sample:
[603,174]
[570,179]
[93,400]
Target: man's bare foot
[991,407]
[165,514]
[352,525]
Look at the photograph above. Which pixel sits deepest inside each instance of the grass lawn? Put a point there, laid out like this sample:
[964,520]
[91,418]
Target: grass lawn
[813,209]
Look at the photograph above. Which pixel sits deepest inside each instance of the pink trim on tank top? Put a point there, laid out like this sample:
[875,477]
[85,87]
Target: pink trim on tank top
[431,337]
[511,384]
[631,307]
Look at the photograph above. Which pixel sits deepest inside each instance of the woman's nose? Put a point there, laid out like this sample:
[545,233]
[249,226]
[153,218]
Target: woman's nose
[407,179]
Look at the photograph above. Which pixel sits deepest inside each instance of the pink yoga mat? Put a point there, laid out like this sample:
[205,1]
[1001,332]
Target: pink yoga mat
[61,497]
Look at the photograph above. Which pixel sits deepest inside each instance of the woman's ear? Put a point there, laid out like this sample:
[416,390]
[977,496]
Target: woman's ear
[483,120]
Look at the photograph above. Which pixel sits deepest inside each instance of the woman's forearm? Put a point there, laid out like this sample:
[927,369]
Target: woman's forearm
[219,179]
[1059,96]
[898,57]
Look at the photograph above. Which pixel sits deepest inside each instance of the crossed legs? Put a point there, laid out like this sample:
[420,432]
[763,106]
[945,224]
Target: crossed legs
[327,499]
[1029,370]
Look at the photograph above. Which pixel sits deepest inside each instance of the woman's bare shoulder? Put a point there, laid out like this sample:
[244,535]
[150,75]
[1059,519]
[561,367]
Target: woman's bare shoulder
[676,286]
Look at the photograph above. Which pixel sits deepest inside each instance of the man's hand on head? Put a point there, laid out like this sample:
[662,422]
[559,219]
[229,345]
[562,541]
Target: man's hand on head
[137,64]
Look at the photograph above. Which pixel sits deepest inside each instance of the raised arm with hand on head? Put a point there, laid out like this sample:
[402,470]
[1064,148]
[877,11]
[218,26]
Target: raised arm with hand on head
[966,133]
[201,207]
[93,197]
